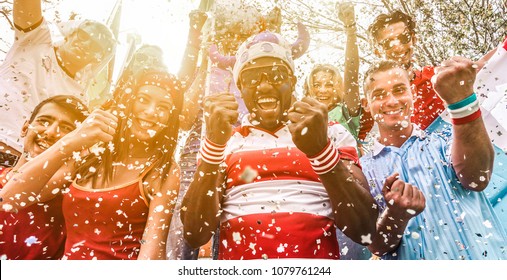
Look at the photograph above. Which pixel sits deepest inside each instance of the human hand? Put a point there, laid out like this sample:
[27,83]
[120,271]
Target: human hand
[454,79]
[404,200]
[220,113]
[308,125]
[99,126]
[346,13]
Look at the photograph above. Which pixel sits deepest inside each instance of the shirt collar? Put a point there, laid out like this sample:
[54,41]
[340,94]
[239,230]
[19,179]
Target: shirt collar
[416,132]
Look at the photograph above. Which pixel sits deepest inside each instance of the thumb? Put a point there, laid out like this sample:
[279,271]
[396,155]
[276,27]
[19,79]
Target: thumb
[389,182]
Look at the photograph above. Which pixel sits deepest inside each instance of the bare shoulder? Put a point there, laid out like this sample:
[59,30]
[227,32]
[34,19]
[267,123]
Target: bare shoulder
[158,181]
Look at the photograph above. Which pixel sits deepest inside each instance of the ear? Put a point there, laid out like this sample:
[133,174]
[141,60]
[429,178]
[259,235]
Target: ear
[414,38]
[293,80]
[24,129]
[364,104]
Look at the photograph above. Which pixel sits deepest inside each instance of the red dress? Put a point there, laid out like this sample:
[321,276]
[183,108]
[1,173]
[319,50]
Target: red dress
[105,224]
[34,233]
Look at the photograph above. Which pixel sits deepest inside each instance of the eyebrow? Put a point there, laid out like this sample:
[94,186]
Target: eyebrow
[52,118]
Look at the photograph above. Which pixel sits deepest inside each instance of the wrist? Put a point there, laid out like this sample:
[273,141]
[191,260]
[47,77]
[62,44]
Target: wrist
[325,160]
[350,28]
[211,152]
[465,110]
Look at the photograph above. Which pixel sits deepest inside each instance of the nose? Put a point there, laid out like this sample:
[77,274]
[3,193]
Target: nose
[151,109]
[53,131]
[391,100]
[264,84]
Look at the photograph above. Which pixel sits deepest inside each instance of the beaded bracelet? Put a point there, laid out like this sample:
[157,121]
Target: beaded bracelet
[464,111]
[212,153]
[325,160]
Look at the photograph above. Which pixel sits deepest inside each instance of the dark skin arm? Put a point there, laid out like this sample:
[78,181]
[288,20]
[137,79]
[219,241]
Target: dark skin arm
[345,184]
[201,206]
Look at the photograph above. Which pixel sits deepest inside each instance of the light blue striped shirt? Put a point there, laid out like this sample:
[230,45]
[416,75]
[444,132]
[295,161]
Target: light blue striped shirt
[456,223]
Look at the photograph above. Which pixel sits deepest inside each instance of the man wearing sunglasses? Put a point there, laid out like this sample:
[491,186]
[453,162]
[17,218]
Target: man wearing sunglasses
[36,68]
[280,184]
[393,36]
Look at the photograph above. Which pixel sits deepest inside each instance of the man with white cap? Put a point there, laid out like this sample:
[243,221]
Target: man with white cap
[280,184]
[36,68]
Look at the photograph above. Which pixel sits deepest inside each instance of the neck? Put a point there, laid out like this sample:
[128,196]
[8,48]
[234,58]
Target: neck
[396,138]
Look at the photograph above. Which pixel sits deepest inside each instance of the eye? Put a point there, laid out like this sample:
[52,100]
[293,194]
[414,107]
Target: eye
[66,128]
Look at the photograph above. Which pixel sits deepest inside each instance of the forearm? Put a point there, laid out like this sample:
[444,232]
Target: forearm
[193,97]
[201,209]
[351,201]
[190,57]
[388,234]
[32,179]
[26,13]
[350,76]
[472,154]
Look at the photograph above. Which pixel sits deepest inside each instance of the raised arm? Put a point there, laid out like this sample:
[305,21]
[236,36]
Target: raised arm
[353,206]
[193,98]
[351,75]
[201,206]
[164,196]
[191,55]
[403,201]
[472,153]
[37,180]
[27,13]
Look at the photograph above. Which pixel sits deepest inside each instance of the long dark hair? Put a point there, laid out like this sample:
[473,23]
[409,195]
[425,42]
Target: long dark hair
[165,141]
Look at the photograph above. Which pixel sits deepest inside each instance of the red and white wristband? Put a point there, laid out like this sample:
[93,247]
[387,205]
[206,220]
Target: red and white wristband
[326,160]
[212,153]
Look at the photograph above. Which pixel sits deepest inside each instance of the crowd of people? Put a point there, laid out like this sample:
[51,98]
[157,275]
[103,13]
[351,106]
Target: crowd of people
[407,164]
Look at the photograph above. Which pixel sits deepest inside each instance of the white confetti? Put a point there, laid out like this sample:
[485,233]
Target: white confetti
[7,207]
[151,132]
[415,235]
[31,240]
[236,236]
[249,174]
[487,224]
[210,193]
[366,239]
[280,249]
[159,208]
[411,211]
[304,131]
[404,123]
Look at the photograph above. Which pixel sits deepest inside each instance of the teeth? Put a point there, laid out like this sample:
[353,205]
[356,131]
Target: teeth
[393,112]
[43,144]
[145,123]
[266,100]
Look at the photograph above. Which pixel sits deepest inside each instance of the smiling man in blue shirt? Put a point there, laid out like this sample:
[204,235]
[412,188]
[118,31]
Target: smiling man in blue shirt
[429,186]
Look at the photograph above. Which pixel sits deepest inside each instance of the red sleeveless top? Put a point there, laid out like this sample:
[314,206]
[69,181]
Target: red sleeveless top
[105,224]
[34,233]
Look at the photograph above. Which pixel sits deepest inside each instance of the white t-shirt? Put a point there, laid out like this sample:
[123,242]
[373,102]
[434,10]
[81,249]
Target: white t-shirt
[29,74]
